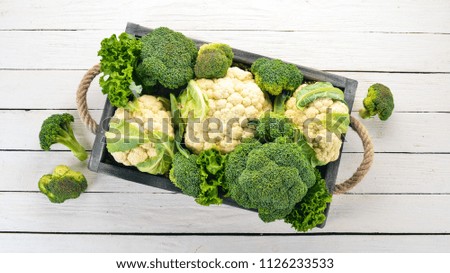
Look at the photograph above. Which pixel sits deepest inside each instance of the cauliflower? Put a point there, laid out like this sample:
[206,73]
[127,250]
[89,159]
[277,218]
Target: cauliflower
[322,118]
[222,108]
[142,136]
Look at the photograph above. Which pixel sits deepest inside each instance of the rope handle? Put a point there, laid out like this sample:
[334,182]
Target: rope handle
[340,188]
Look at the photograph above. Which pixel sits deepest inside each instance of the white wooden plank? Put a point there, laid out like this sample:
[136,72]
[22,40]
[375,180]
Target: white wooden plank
[39,163]
[412,92]
[177,213]
[55,89]
[403,132]
[322,15]
[322,50]
[20,129]
[399,173]
[57,243]
[46,89]
[407,177]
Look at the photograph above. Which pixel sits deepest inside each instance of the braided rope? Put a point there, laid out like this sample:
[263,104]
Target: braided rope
[82,101]
[364,167]
[340,188]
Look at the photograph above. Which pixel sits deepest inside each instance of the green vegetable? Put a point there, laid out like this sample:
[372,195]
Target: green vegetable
[62,184]
[58,129]
[274,76]
[193,103]
[310,211]
[336,122]
[118,60]
[275,177]
[379,101]
[141,135]
[318,90]
[186,175]
[213,61]
[200,176]
[168,58]
[275,124]
[212,164]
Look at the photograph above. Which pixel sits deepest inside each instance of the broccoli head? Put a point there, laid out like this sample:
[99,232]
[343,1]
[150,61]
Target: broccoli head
[274,76]
[58,129]
[379,101]
[275,178]
[185,174]
[213,61]
[62,184]
[168,57]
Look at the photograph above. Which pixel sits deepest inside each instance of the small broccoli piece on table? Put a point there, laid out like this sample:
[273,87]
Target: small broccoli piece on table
[274,76]
[213,61]
[379,101]
[168,57]
[58,129]
[62,184]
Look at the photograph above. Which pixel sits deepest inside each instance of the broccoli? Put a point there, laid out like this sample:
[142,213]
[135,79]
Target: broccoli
[186,175]
[274,76]
[168,58]
[309,212]
[275,124]
[379,101]
[62,184]
[58,129]
[275,178]
[199,176]
[213,61]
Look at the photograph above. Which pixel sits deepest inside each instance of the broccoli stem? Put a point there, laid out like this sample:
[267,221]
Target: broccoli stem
[279,103]
[364,113]
[67,138]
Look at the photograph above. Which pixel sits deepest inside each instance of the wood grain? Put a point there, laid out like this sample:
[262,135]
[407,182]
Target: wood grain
[94,243]
[177,213]
[285,15]
[321,50]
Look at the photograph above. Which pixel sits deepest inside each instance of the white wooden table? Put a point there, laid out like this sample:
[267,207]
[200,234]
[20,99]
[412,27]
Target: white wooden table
[402,205]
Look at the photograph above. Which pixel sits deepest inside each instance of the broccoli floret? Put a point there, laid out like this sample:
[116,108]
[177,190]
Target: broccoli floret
[237,160]
[58,129]
[62,184]
[186,175]
[213,61]
[276,176]
[274,76]
[275,124]
[379,101]
[309,212]
[168,58]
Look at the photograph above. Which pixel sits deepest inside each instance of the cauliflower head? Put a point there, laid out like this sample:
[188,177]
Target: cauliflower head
[229,102]
[142,135]
[322,122]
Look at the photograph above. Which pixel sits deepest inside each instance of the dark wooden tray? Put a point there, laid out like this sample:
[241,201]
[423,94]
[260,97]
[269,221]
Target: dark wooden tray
[101,161]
